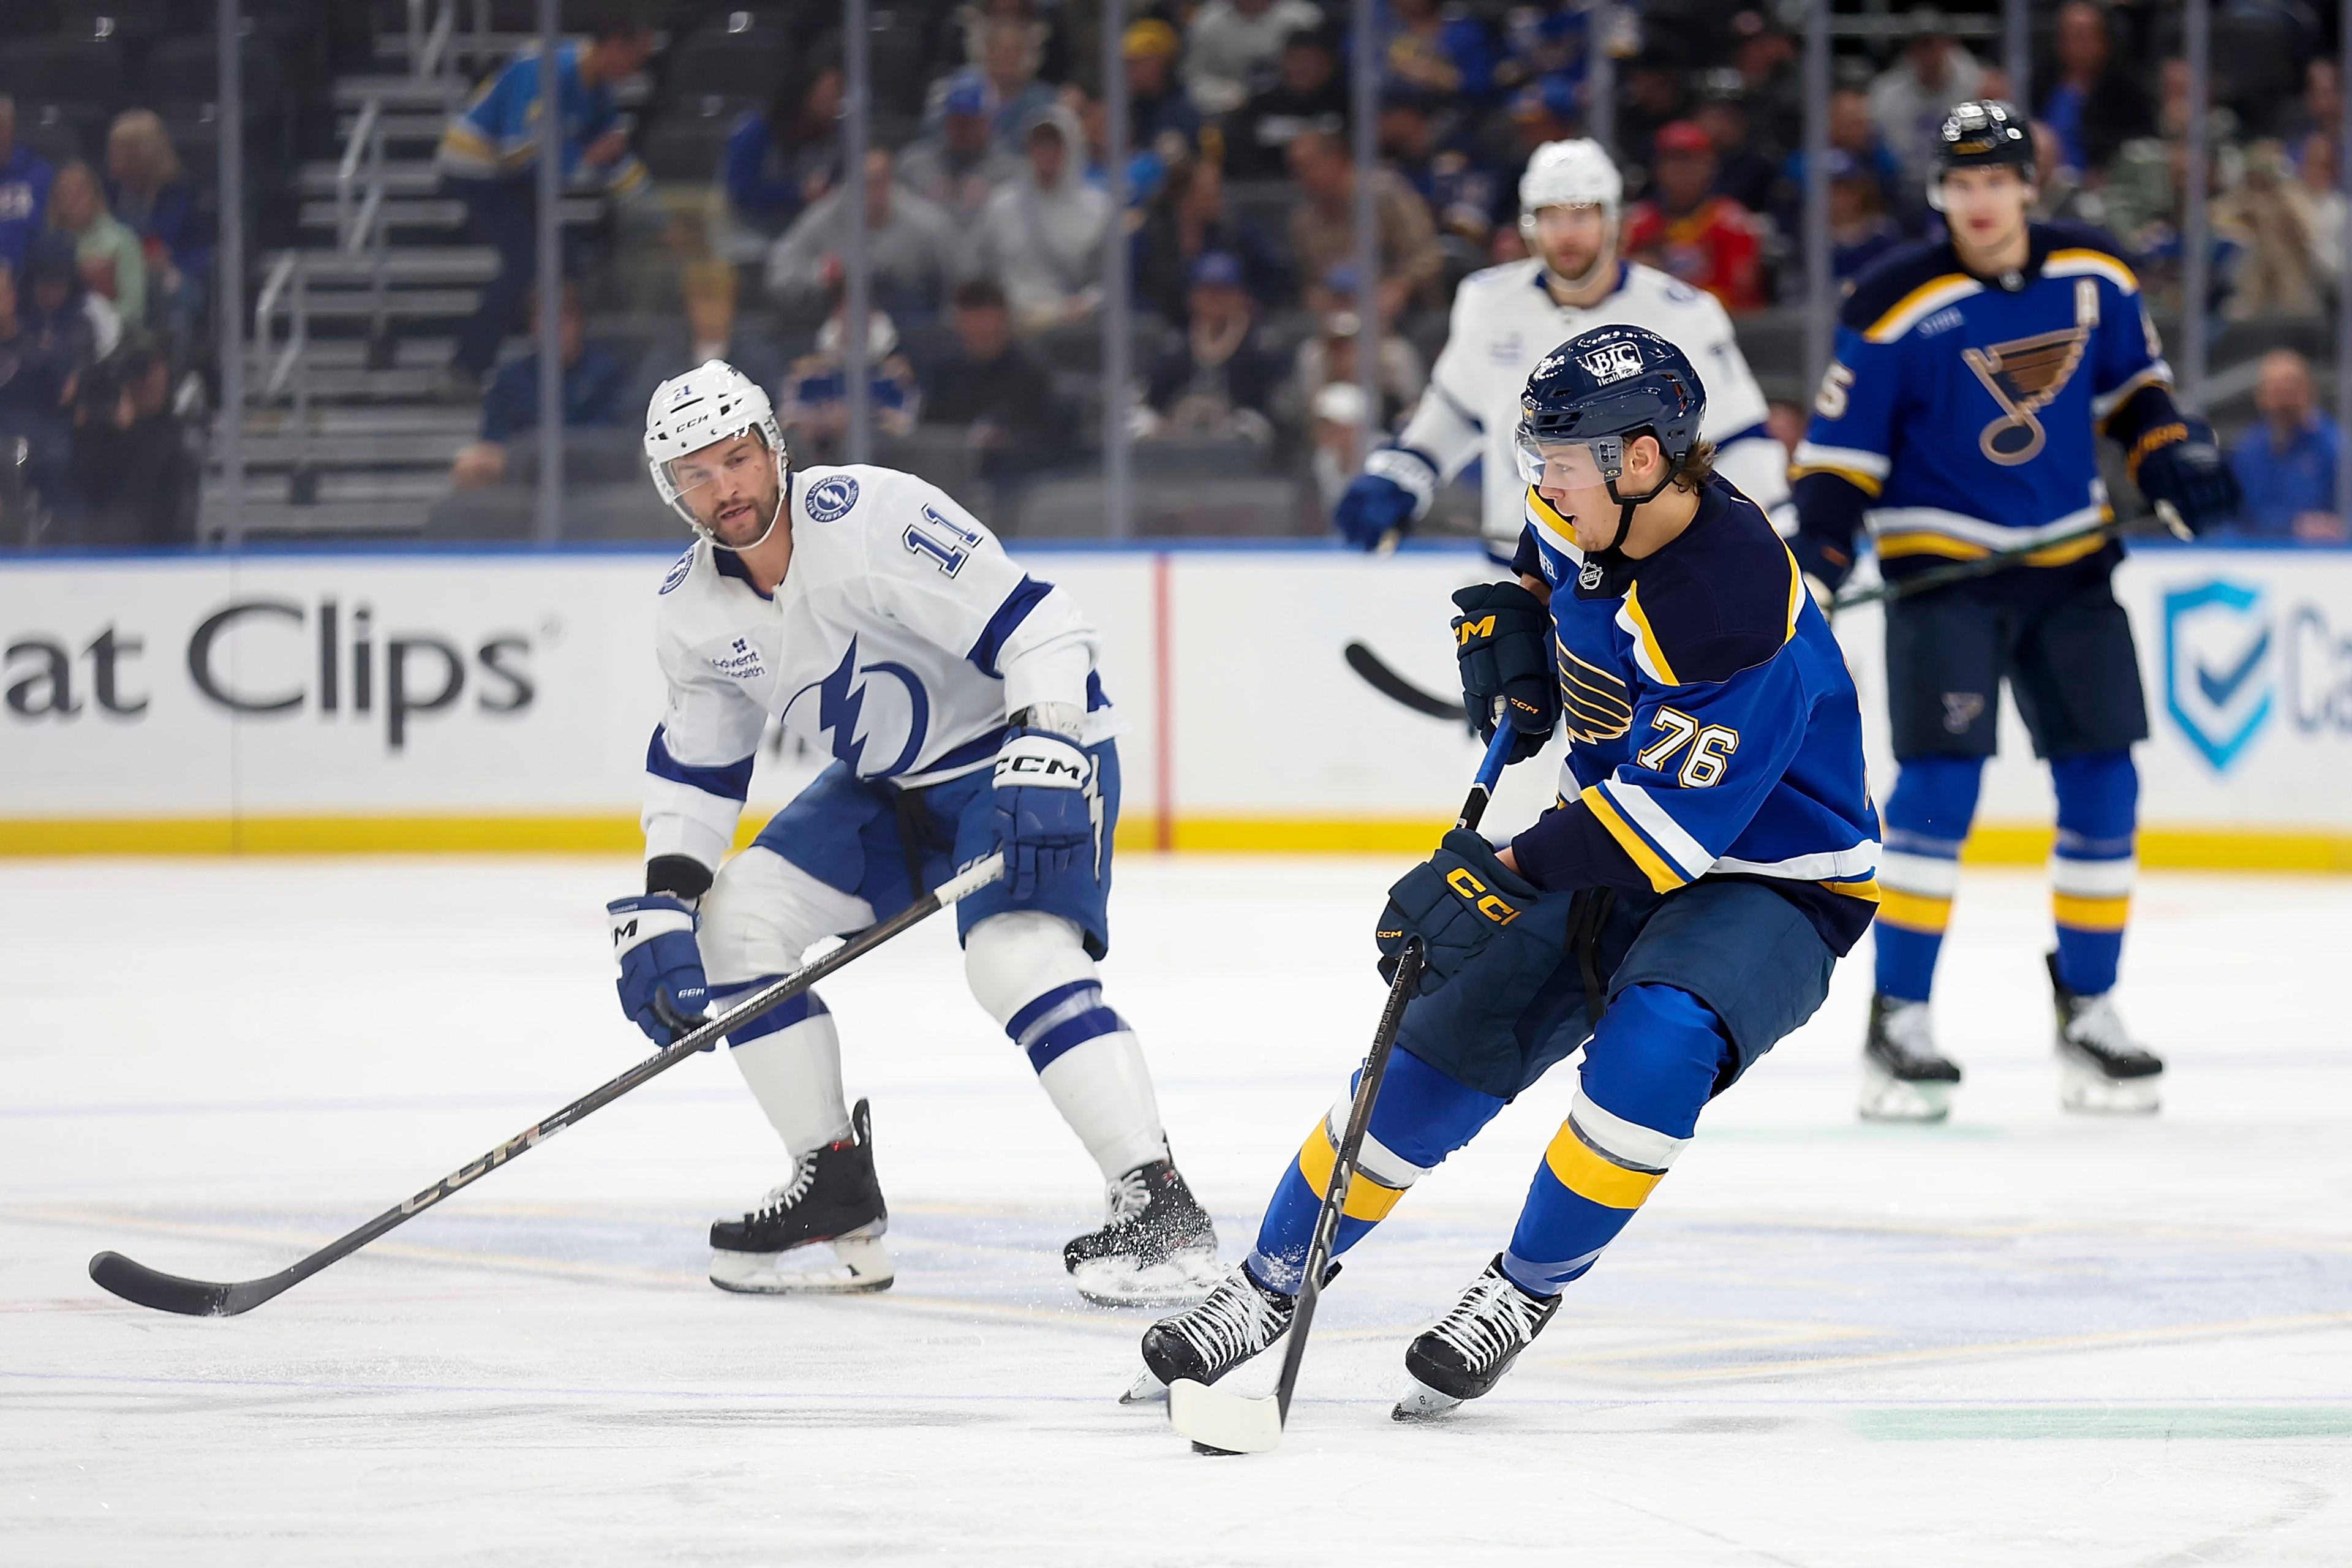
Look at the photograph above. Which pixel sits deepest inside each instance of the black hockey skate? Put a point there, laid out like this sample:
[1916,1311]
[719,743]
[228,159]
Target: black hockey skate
[1156,1248]
[820,1233]
[1904,1077]
[1469,1349]
[2102,1070]
[1240,1319]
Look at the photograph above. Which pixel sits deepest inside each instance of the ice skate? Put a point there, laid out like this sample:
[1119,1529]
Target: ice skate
[1904,1077]
[1467,1351]
[1156,1249]
[1239,1319]
[819,1234]
[2102,1071]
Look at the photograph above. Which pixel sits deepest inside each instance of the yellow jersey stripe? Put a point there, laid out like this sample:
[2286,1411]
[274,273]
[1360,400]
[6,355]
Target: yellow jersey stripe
[1867,484]
[1924,301]
[1550,517]
[1891,545]
[1913,912]
[1367,1199]
[2078,262]
[1657,655]
[2091,914]
[2061,554]
[1867,888]
[1663,877]
[1796,591]
[1584,1172]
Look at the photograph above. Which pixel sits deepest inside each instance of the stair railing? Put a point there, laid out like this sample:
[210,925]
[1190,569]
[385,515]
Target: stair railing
[286,291]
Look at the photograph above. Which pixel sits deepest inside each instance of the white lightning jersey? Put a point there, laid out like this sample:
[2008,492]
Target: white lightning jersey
[1504,319]
[900,639]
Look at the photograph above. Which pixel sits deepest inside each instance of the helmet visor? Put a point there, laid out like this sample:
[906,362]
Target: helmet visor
[1553,464]
[744,462]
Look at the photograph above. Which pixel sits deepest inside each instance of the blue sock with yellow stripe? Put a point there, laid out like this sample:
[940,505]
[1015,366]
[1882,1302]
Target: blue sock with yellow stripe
[1919,869]
[1649,1071]
[2091,869]
[1420,1117]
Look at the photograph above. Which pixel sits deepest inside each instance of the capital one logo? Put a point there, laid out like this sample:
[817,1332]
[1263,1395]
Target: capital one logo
[2218,683]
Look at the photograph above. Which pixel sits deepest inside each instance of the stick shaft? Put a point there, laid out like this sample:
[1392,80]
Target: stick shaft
[1999,561]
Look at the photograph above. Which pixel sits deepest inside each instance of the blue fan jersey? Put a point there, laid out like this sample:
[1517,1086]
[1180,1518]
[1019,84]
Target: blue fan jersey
[1713,728]
[1960,414]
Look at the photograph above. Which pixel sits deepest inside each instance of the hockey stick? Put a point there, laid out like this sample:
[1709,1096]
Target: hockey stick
[2163,519]
[1396,688]
[1221,1422]
[145,1287]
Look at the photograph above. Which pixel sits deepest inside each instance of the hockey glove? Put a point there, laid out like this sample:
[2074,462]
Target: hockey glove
[1395,488]
[2180,463]
[1044,806]
[662,987]
[1457,901]
[1502,640]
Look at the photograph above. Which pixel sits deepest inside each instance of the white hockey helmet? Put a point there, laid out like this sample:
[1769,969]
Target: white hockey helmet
[712,401]
[1576,172]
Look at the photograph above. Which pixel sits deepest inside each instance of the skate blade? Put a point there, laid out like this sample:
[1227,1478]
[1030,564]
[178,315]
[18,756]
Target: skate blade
[1422,1402]
[1885,1098]
[845,1267]
[1221,1422]
[2086,1091]
[1147,1389]
[1185,1279]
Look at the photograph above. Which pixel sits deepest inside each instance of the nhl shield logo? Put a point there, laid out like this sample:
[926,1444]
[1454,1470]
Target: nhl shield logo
[2217,681]
[1612,361]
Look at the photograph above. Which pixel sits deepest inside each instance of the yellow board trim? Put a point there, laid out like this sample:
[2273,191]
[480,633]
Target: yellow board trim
[1664,878]
[1991,843]
[1367,1199]
[1658,664]
[2091,914]
[1912,911]
[1590,1176]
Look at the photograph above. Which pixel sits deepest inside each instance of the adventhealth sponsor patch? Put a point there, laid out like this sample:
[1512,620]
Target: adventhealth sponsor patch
[829,500]
[677,572]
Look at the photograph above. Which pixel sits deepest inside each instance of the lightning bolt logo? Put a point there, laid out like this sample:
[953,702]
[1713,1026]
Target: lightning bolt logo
[839,701]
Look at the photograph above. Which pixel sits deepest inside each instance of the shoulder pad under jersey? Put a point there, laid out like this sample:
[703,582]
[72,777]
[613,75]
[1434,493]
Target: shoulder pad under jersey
[1897,283]
[1725,598]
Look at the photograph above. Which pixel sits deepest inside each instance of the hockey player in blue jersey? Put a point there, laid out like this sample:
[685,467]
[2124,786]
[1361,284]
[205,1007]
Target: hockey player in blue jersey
[1680,911]
[1972,379]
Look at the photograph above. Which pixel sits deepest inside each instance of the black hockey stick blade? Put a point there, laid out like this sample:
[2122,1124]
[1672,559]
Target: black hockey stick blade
[1397,689]
[152,1287]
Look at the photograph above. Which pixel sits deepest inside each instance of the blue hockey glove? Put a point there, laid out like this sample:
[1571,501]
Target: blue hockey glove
[662,987]
[1044,806]
[2184,467]
[1502,640]
[1457,901]
[1370,507]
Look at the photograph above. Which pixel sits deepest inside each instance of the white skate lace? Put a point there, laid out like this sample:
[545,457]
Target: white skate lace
[1129,1198]
[1493,1318]
[1910,1031]
[780,1198]
[1235,1322]
[2097,1026]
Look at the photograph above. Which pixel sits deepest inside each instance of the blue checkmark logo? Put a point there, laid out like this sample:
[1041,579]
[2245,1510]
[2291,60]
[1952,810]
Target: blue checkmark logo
[2217,645]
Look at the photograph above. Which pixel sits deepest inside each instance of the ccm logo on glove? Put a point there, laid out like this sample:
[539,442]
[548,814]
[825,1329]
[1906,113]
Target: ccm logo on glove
[1476,894]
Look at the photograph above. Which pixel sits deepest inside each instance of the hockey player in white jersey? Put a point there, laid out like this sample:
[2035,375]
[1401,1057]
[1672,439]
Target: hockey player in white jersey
[1506,318]
[877,620]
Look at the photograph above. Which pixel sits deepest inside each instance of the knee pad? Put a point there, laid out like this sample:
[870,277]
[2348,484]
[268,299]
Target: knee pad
[762,912]
[2098,803]
[1648,1071]
[1934,799]
[1019,957]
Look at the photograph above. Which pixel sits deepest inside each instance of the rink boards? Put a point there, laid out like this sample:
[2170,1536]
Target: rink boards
[503,700]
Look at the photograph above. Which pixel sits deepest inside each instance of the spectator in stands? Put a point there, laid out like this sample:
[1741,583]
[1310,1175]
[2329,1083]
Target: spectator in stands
[2280,273]
[2319,112]
[1048,42]
[1771,84]
[1856,134]
[814,409]
[36,378]
[2286,463]
[1459,192]
[913,253]
[1159,115]
[25,177]
[1307,95]
[991,387]
[1217,380]
[1543,44]
[139,482]
[1682,227]
[2325,203]
[1042,237]
[707,330]
[1546,110]
[1440,51]
[1322,223]
[57,303]
[1330,357]
[785,157]
[1742,172]
[2061,193]
[1860,230]
[593,385]
[1147,169]
[1910,99]
[1231,47]
[957,164]
[1657,93]
[150,193]
[1010,50]
[2093,102]
[1189,221]
[112,259]
[1336,437]
[489,159]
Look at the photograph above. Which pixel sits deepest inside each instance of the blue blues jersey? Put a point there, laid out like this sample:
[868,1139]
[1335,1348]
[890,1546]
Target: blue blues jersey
[496,134]
[1961,414]
[1714,728]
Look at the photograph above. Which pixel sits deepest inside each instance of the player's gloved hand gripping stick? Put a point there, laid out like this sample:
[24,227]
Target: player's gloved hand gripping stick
[146,1286]
[2164,518]
[1217,1420]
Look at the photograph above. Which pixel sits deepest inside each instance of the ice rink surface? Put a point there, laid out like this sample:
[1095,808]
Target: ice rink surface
[2020,1338]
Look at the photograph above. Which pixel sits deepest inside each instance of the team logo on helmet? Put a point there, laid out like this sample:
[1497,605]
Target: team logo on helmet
[1612,361]
[829,499]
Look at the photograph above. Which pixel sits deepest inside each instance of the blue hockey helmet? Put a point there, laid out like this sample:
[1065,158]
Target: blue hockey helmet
[1590,396]
[1981,133]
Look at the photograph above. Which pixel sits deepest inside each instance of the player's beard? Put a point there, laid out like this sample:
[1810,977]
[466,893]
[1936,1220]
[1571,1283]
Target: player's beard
[743,524]
[1575,274]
